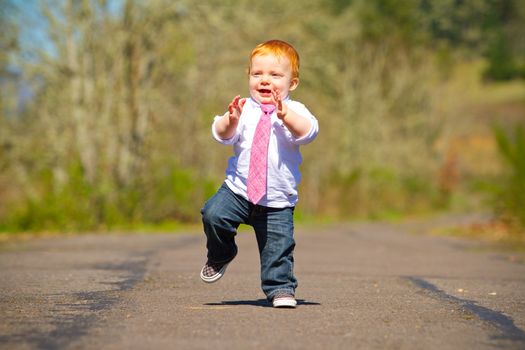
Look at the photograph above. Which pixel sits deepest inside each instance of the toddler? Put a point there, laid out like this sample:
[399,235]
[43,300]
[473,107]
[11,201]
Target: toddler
[260,190]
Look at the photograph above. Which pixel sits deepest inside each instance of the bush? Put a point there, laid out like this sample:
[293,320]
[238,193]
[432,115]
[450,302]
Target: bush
[509,199]
[175,195]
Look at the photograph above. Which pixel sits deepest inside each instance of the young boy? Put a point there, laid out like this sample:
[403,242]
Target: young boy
[260,189]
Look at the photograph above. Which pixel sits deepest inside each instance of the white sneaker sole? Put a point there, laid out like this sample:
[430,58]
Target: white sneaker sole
[215,277]
[285,303]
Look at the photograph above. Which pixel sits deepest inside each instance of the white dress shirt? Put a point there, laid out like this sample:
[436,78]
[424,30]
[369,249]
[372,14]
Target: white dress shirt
[284,157]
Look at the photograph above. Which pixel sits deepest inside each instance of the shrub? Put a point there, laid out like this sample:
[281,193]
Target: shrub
[509,199]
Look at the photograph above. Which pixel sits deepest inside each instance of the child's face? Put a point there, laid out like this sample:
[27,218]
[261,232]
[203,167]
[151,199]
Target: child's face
[270,73]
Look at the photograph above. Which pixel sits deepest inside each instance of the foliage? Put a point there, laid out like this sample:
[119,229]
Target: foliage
[509,194]
[501,64]
[491,28]
[81,206]
[117,127]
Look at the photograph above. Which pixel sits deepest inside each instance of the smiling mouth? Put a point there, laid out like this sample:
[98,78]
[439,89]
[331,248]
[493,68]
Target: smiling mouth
[265,91]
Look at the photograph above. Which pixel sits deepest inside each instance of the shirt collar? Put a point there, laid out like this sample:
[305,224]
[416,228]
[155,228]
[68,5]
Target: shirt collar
[254,103]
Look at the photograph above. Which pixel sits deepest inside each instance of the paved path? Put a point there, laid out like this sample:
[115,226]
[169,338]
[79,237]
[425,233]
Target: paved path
[361,286]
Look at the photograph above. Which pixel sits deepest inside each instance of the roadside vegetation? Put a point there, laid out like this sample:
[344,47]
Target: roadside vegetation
[106,108]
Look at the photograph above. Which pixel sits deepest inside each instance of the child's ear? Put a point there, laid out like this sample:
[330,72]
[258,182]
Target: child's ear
[293,84]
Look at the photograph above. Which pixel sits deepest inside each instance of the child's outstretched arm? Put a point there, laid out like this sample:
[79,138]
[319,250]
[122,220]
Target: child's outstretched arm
[297,125]
[226,126]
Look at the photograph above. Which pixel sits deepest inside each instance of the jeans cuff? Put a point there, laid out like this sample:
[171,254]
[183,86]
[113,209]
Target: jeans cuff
[223,261]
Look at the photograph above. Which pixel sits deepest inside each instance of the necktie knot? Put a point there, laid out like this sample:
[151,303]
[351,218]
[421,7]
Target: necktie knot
[267,108]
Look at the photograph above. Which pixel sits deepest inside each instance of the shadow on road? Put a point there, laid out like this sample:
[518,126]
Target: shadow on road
[497,319]
[258,302]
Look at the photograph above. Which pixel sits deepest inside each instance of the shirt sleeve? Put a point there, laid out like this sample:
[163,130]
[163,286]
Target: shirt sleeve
[229,141]
[301,110]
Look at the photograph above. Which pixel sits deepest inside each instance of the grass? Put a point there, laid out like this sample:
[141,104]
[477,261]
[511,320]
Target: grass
[167,227]
[467,81]
[496,233]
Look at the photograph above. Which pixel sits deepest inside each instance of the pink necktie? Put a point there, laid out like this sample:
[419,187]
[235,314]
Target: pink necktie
[257,176]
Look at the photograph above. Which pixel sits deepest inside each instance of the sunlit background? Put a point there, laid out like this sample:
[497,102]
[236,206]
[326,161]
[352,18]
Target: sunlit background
[106,108]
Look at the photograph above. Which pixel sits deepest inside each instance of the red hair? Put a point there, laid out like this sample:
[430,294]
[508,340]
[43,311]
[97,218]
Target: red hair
[278,48]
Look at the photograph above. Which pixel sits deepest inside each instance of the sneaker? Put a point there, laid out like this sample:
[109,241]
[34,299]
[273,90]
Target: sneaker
[284,300]
[212,272]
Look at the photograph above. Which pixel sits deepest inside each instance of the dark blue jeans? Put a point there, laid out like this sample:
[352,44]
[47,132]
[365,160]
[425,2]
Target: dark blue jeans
[221,216]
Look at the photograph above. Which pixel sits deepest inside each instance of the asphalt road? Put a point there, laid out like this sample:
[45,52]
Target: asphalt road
[361,286]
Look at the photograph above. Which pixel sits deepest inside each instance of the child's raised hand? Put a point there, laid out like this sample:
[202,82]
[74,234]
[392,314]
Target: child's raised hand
[235,108]
[280,108]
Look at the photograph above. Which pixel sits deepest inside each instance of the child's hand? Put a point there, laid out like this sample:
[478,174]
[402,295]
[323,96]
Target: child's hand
[235,108]
[280,108]
[226,126]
